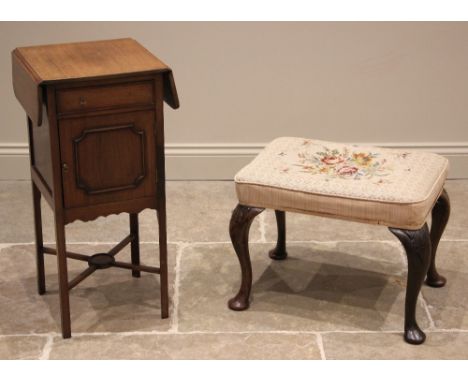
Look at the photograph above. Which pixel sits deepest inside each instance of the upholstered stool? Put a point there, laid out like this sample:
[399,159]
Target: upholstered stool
[372,185]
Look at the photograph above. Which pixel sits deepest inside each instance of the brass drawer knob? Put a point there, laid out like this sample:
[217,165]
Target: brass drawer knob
[82,101]
[65,167]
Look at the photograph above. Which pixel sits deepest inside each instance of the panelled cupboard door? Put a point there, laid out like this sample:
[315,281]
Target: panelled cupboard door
[108,158]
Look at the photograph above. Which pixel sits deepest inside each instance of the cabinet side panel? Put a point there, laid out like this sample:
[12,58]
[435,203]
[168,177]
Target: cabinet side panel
[40,141]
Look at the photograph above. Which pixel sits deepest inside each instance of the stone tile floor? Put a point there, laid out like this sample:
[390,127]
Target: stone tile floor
[339,295]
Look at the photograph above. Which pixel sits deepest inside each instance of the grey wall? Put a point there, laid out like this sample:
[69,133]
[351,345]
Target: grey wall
[242,84]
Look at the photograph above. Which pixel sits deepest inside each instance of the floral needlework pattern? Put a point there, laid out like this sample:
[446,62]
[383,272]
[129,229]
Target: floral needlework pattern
[346,170]
[344,163]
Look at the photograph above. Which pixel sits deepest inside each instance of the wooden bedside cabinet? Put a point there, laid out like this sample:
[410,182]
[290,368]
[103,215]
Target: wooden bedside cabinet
[96,139]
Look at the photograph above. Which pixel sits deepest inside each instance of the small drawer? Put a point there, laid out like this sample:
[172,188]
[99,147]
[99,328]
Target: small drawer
[104,97]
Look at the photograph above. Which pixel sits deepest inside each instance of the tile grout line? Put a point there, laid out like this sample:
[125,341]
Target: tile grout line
[390,242]
[175,298]
[45,354]
[319,339]
[426,309]
[9,245]
[195,332]
[29,335]
[262,233]
[6,245]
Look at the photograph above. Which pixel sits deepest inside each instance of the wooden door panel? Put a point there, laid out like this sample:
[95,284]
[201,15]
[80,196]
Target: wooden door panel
[121,147]
[107,158]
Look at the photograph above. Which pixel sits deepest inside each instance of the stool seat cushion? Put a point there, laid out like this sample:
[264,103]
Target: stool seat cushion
[395,188]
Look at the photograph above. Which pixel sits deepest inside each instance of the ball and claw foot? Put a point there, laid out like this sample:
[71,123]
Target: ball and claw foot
[414,335]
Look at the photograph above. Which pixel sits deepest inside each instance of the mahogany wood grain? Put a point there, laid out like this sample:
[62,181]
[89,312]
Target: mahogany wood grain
[123,243]
[59,218]
[161,200]
[36,66]
[105,97]
[163,271]
[36,198]
[70,255]
[90,59]
[26,89]
[40,149]
[92,212]
[41,287]
[107,153]
[46,192]
[79,278]
[135,245]
[96,137]
[137,268]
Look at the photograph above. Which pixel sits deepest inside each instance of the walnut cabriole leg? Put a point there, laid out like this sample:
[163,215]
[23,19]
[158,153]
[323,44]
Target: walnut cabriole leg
[135,244]
[41,288]
[279,252]
[239,227]
[440,216]
[417,244]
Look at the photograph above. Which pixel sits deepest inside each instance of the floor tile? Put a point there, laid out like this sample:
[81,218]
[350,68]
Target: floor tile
[109,300]
[392,346]
[16,212]
[189,346]
[345,286]
[21,347]
[200,211]
[448,306]
[340,276]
